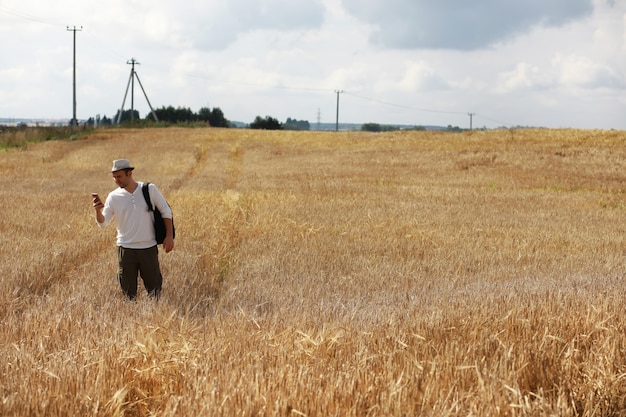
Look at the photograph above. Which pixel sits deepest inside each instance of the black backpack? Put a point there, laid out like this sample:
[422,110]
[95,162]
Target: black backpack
[159,224]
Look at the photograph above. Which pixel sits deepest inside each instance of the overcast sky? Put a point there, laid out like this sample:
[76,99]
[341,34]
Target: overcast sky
[548,63]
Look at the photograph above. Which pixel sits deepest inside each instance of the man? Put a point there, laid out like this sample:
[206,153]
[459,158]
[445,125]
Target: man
[136,243]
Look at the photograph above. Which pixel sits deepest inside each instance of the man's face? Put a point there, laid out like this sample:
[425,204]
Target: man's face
[122,178]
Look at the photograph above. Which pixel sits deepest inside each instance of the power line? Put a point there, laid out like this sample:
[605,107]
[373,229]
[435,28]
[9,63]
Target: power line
[402,105]
[472,115]
[26,16]
[505,124]
[269,86]
[98,43]
[297,88]
[103,46]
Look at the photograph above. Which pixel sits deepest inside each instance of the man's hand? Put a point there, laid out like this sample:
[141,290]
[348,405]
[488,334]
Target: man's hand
[98,205]
[168,244]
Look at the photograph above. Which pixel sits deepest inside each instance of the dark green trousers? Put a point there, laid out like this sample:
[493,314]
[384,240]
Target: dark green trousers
[139,262]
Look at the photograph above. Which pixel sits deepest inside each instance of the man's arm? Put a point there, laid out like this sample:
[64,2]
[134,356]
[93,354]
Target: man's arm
[168,242]
[159,201]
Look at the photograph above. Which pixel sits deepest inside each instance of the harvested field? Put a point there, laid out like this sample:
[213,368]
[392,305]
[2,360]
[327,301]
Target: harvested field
[322,274]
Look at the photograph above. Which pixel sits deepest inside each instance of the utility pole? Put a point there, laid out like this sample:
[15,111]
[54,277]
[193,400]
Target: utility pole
[337,119]
[471,115]
[319,119]
[132,88]
[131,83]
[74,29]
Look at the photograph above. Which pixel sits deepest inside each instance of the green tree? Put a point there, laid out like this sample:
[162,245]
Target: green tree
[371,127]
[293,124]
[214,117]
[375,127]
[267,123]
[126,115]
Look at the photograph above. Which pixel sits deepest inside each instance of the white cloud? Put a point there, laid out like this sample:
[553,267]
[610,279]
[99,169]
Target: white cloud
[581,71]
[524,77]
[420,76]
[217,24]
[460,25]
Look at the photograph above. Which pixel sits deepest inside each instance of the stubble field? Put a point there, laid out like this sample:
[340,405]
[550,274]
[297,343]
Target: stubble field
[322,274]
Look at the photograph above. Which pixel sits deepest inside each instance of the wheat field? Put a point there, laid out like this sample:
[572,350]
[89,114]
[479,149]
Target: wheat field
[322,274]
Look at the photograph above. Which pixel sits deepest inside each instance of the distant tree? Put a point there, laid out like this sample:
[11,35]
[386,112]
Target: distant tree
[293,124]
[218,119]
[126,115]
[214,117]
[454,129]
[204,114]
[371,127]
[170,114]
[166,114]
[184,115]
[375,127]
[267,123]
[173,115]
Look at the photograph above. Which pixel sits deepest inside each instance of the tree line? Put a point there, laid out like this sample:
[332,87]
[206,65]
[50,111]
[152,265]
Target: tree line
[168,115]
[271,123]
[183,115]
[215,117]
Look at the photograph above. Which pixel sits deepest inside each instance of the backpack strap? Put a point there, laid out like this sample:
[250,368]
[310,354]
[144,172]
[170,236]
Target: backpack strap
[146,195]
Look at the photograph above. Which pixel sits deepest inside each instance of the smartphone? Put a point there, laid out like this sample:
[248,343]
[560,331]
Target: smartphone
[94,195]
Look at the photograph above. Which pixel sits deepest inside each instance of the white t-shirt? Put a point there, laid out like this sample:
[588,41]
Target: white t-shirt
[134,222]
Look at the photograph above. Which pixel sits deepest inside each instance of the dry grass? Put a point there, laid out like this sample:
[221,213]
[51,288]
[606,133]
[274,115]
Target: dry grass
[317,274]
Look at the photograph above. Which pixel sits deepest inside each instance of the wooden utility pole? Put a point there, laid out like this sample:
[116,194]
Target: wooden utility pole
[471,115]
[337,119]
[131,83]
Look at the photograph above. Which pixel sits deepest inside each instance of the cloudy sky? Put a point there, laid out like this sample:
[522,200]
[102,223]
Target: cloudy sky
[549,63]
